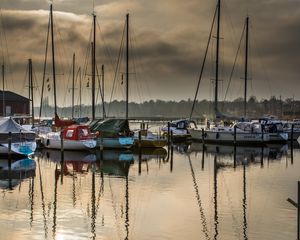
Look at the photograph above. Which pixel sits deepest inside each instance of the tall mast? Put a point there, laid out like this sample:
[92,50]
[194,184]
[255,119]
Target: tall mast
[53,60]
[93,66]
[3,93]
[103,106]
[73,85]
[246,66]
[80,92]
[217,56]
[44,72]
[127,62]
[31,90]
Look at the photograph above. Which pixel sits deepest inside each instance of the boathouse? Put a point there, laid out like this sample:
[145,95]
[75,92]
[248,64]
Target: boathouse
[12,104]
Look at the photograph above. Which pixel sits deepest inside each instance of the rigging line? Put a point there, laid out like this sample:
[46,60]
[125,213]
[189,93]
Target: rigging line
[236,56]
[61,53]
[108,52]
[262,65]
[25,78]
[202,214]
[35,81]
[100,89]
[44,70]
[203,63]
[98,77]
[135,66]
[87,54]
[79,75]
[6,48]
[116,69]
[1,36]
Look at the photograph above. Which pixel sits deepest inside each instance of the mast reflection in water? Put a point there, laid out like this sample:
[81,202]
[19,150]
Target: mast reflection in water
[231,192]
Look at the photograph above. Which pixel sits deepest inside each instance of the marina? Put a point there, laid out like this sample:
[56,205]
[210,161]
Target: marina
[143,120]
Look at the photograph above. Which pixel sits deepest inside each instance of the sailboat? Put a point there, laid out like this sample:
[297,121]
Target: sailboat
[242,132]
[112,133]
[75,137]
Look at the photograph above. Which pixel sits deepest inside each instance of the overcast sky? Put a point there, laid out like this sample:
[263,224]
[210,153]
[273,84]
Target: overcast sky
[168,40]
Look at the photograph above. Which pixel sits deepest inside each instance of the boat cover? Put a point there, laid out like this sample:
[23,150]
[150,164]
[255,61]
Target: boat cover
[111,127]
[18,132]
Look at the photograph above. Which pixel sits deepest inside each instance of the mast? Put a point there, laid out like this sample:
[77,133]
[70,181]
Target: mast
[246,66]
[80,91]
[53,60]
[31,90]
[103,107]
[3,93]
[44,72]
[73,84]
[127,61]
[217,57]
[93,66]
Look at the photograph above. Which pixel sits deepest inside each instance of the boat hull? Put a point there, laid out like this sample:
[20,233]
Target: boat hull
[118,142]
[228,137]
[54,142]
[19,148]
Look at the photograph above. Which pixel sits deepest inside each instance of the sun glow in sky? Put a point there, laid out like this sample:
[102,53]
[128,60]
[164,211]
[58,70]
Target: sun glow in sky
[167,45]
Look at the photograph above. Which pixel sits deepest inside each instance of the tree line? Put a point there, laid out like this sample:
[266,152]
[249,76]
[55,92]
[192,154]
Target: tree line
[286,109]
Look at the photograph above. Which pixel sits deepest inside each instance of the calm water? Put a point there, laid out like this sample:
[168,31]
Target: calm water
[196,194]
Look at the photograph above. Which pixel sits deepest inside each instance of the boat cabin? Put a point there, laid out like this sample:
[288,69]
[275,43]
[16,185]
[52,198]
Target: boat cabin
[183,124]
[77,132]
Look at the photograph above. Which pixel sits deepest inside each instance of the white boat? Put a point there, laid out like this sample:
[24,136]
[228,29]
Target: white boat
[75,137]
[287,128]
[246,132]
[113,133]
[22,141]
[180,129]
[274,128]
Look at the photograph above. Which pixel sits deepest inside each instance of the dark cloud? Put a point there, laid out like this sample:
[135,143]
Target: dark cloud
[169,38]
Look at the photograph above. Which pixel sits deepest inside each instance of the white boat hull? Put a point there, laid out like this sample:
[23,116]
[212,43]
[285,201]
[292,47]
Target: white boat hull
[53,141]
[228,137]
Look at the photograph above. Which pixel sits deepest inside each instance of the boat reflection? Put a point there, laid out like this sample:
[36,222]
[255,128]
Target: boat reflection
[12,173]
[238,155]
[229,157]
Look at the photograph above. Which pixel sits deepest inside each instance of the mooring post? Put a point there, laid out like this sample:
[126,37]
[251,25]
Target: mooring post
[169,133]
[62,143]
[262,157]
[101,144]
[9,154]
[234,156]
[202,130]
[234,135]
[262,133]
[296,205]
[140,140]
[171,137]
[292,135]
[9,145]
[140,152]
[203,151]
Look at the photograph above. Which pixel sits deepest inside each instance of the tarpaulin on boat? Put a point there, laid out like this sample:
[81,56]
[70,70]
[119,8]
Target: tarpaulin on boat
[8,125]
[111,127]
